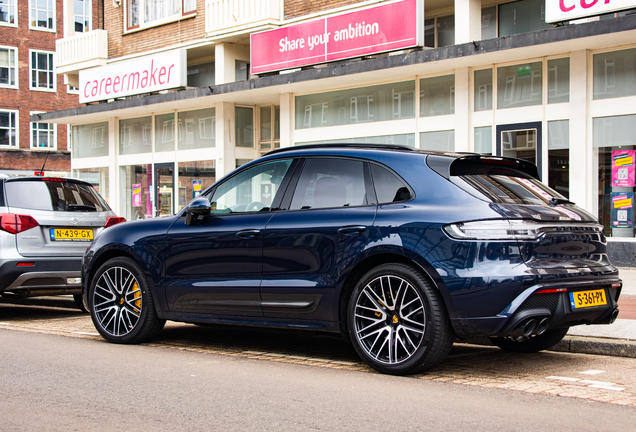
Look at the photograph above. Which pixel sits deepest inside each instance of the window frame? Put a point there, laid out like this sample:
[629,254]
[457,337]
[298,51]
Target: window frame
[52,12]
[31,130]
[16,143]
[14,5]
[88,16]
[52,71]
[141,7]
[17,68]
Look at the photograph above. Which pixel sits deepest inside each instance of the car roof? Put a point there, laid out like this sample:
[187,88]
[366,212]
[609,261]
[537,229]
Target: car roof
[359,147]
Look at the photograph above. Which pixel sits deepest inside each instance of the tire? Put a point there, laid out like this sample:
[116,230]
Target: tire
[121,303]
[397,321]
[533,344]
[79,302]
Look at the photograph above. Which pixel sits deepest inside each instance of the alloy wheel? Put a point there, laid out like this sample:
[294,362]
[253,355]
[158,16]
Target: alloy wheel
[117,301]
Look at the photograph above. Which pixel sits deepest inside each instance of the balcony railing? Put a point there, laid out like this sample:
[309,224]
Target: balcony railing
[81,51]
[230,16]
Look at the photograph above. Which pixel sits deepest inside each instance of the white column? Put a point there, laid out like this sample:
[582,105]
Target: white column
[114,191]
[467,21]
[225,57]
[287,119]
[462,110]
[582,176]
[225,139]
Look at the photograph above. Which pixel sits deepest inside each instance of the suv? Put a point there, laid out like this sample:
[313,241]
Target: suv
[46,223]
[399,250]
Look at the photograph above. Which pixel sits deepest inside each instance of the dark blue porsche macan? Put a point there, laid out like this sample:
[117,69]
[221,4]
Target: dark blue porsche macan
[398,249]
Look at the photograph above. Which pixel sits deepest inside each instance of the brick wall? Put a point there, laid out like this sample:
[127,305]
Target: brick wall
[297,8]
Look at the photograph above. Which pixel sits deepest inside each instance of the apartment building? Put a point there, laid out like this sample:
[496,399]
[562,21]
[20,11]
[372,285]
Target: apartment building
[177,93]
[29,83]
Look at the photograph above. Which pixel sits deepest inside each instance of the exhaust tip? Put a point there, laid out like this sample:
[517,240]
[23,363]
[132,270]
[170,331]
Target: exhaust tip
[530,327]
[543,326]
[613,316]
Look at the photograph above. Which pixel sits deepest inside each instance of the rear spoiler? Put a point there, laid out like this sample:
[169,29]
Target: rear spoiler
[475,164]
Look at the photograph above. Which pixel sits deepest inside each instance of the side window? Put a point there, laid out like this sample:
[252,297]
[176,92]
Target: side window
[330,183]
[250,191]
[388,187]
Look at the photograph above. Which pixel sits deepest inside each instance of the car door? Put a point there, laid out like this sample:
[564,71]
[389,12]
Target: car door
[214,265]
[307,248]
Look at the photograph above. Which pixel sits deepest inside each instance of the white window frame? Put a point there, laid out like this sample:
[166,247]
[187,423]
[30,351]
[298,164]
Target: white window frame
[17,69]
[33,16]
[87,15]
[16,143]
[12,4]
[52,53]
[32,129]
[141,14]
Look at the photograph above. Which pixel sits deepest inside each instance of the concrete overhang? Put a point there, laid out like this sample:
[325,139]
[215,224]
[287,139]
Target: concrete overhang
[600,34]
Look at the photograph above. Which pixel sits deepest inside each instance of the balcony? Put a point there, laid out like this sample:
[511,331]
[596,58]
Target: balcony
[223,17]
[82,51]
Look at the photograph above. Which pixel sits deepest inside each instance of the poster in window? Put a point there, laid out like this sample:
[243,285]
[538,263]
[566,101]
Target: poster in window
[136,195]
[196,188]
[622,209]
[623,173]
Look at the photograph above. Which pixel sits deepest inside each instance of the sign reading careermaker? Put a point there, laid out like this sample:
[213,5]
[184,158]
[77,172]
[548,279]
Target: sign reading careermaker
[140,75]
[565,10]
[387,27]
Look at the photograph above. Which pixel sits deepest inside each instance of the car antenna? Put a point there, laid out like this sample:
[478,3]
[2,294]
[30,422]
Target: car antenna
[41,172]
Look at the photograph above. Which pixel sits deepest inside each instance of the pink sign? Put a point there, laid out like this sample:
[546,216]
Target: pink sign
[136,193]
[374,30]
[623,173]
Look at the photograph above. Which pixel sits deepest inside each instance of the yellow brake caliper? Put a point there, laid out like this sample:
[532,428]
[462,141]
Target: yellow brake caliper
[137,296]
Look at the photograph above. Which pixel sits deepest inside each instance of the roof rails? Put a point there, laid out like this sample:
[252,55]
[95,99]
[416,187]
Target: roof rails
[343,145]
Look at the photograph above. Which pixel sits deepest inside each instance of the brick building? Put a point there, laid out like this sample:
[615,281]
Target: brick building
[545,80]
[29,84]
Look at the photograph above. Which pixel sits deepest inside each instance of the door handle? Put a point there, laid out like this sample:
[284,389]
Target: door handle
[248,233]
[352,230]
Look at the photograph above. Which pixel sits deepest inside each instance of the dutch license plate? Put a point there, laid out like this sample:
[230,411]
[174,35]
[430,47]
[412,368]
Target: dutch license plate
[583,299]
[65,234]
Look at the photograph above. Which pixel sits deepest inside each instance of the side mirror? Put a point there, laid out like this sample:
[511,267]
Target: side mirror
[197,207]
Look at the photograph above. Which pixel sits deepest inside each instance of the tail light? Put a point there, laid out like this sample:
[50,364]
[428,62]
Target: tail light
[14,223]
[113,220]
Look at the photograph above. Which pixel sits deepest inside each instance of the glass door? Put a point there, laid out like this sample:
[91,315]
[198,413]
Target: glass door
[521,141]
[164,196]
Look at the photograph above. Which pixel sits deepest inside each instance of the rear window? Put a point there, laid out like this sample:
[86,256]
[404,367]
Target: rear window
[54,196]
[508,189]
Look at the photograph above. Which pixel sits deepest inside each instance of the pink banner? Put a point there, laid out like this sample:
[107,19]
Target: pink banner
[378,29]
[623,173]
[136,194]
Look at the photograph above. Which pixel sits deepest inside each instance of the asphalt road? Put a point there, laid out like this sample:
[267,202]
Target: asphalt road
[51,382]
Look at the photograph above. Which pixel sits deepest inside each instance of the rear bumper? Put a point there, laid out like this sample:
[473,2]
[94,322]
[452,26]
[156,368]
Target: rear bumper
[44,276]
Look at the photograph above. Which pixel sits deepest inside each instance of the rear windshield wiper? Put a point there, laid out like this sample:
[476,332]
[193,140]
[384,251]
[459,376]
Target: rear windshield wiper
[80,207]
[557,201]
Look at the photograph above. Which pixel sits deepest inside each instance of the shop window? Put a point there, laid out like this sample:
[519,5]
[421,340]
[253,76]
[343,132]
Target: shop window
[197,129]
[42,71]
[614,141]
[614,74]
[519,85]
[559,80]
[559,156]
[96,134]
[136,200]
[8,67]
[42,14]
[147,13]
[241,162]
[483,90]
[360,105]
[521,17]
[402,139]
[201,75]
[43,135]
[9,128]
[135,136]
[439,31]
[437,96]
[82,15]
[244,120]
[98,177]
[438,140]
[194,178]
[269,119]
[241,70]
[8,14]
[489,22]
[164,132]
[483,140]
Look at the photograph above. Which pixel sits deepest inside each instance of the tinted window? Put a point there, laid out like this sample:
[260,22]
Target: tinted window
[388,187]
[251,190]
[512,190]
[54,195]
[330,182]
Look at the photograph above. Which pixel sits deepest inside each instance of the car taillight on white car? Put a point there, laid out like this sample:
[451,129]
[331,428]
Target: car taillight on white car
[15,223]
[113,220]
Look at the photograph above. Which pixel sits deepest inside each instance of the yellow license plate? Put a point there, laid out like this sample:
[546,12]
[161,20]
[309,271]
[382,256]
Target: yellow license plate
[65,234]
[583,299]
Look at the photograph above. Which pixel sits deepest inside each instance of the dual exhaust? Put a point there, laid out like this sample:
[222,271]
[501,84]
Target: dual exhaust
[531,327]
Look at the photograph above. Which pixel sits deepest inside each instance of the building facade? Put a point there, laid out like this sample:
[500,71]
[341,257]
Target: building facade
[29,84]
[488,76]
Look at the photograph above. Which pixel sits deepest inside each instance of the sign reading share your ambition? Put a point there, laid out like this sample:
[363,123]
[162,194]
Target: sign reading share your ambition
[140,75]
[387,27]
